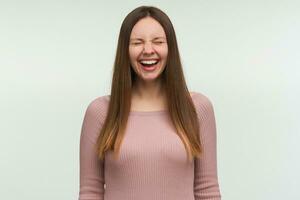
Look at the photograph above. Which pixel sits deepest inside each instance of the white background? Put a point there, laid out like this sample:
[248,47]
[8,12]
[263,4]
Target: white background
[57,56]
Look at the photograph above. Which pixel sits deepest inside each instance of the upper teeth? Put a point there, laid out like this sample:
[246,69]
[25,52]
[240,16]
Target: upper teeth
[149,62]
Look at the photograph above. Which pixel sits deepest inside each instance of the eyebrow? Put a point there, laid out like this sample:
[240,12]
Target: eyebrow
[153,38]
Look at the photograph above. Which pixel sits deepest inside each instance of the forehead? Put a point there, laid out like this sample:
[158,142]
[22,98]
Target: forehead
[147,27]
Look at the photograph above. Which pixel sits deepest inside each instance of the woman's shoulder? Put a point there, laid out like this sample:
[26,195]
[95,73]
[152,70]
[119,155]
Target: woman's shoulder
[201,100]
[100,99]
[98,105]
[200,96]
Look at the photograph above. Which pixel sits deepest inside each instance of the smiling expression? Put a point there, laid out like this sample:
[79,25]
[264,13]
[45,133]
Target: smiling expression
[148,44]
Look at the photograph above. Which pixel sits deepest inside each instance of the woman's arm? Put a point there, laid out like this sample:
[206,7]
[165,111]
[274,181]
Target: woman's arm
[206,185]
[91,169]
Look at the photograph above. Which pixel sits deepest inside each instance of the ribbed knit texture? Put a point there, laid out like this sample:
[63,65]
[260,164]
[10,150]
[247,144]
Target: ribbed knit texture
[152,163]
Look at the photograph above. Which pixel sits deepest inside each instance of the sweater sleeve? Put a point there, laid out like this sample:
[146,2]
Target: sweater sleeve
[91,168]
[206,185]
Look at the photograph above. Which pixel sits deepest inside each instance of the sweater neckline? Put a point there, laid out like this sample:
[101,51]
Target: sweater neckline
[143,113]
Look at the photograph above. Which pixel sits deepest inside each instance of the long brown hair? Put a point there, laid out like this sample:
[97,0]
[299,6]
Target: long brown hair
[180,104]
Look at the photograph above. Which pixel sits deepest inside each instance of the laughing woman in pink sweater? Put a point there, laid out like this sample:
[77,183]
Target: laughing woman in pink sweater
[150,139]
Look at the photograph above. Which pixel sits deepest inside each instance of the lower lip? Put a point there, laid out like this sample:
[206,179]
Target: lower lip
[152,68]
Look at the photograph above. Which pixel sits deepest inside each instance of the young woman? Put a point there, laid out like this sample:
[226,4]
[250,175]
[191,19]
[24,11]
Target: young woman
[150,139]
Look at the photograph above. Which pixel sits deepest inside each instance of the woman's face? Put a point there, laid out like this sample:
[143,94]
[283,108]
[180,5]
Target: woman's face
[148,49]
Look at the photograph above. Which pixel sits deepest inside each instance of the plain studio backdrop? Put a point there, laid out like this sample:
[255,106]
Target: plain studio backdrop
[57,56]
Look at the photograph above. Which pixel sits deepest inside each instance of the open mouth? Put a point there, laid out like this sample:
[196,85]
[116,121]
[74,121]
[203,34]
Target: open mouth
[149,65]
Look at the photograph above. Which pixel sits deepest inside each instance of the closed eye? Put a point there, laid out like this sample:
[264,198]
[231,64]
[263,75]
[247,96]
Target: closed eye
[155,42]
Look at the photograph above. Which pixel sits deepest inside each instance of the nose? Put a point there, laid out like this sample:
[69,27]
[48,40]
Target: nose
[148,49]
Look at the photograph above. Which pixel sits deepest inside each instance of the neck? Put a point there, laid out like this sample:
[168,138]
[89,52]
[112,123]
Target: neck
[148,90]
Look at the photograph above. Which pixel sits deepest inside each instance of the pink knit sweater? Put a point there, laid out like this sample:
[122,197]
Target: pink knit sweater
[152,163]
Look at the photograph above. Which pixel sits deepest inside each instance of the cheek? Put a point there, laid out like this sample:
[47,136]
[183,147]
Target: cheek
[134,53]
[163,51]
[166,53]
[131,54]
